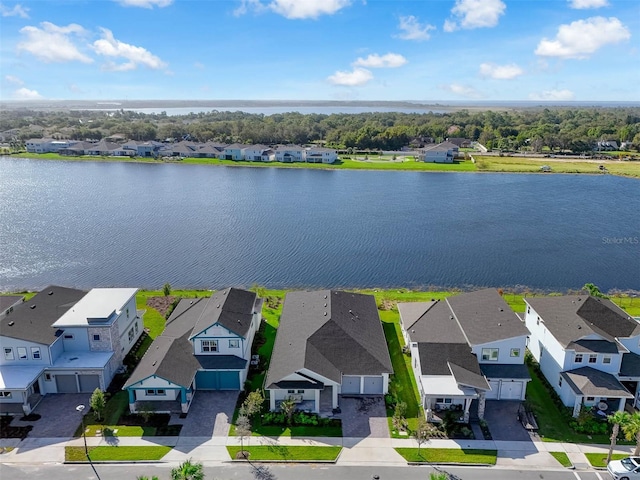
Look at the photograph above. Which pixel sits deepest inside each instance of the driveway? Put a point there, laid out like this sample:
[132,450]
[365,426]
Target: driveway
[364,417]
[58,415]
[210,414]
[502,417]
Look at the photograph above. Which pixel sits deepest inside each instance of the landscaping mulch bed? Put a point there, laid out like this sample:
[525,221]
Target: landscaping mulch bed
[7,431]
[158,420]
[161,304]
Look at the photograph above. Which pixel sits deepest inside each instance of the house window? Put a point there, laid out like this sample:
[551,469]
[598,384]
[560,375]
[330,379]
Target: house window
[606,360]
[209,345]
[35,353]
[234,343]
[5,394]
[490,354]
[47,377]
[590,399]
[136,325]
[156,392]
[8,353]
[291,391]
[300,391]
[593,358]
[515,352]
[68,336]
[96,337]
[577,358]
[538,321]
[560,382]
[127,313]
[131,335]
[528,309]
[22,353]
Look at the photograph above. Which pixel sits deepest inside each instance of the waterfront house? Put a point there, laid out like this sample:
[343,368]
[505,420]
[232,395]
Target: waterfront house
[234,151]
[329,344]
[320,155]
[103,148]
[289,153]
[465,348]
[258,153]
[588,349]
[47,145]
[206,345]
[444,152]
[64,341]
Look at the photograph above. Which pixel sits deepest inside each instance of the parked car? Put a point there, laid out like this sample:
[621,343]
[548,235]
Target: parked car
[625,469]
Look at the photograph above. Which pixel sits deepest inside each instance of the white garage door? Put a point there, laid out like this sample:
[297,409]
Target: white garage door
[511,391]
[373,385]
[493,393]
[350,384]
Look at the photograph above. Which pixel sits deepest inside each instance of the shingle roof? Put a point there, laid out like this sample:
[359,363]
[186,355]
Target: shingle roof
[505,370]
[232,308]
[32,320]
[452,359]
[435,324]
[7,301]
[594,346]
[630,366]
[595,383]
[332,333]
[485,317]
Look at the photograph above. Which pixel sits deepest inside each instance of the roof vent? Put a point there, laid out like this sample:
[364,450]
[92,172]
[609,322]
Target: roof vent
[450,317]
[499,324]
[325,305]
[32,306]
[50,292]
[325,296]
[579,327]
[11,323]
[502,309]
[154,363]
[218,306]
[325,314]
[191,302]
[413,331]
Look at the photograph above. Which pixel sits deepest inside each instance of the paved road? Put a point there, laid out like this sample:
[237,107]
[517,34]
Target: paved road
[290,472]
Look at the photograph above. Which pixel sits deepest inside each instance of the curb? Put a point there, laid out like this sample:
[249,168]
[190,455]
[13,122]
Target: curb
[239,460]
[107,462]
[455,464]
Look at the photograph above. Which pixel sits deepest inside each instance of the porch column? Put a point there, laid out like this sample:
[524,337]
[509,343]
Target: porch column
[577,405]
[621,404]
[272,400]
[316,394]
[334,394]
[481,405]
[183,400]
[426,404]
[132,400]
[467,404]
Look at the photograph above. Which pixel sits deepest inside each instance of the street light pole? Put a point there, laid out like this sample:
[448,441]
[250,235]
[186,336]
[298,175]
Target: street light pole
[80,408]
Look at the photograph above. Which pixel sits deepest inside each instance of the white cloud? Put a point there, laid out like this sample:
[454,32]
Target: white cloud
[463,90]
[145,3]
[108,46]
[553,95]
[52,43]
[294,9]
[582,4]
[246,5]
[500,72]
[26,94]
[412,29]
[17,11]
[470,14]
[390,60]
[357,77]
[581,38]
[13,80]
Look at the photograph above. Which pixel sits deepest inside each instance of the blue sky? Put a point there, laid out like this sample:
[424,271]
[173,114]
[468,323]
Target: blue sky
[426,50]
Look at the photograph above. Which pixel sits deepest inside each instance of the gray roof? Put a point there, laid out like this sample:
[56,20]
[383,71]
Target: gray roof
[430,322]
[32,320]
[485,317]
[232,308]
[594,346]
[331,333]
[590,382]
[572,317]
[630,366]
[505,370]
[7,301]
[452,359]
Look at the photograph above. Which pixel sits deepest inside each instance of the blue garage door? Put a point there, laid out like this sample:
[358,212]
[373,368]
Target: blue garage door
[212,380]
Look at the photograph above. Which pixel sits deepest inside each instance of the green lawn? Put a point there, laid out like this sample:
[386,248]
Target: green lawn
[295,431]
[598,460]
[102,454]
[449,455]
[289,453]
[562,458]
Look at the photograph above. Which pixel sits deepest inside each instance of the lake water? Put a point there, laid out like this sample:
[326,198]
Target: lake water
[272,110]
[89,224]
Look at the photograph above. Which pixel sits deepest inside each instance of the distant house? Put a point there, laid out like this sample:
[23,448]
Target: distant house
[206,345]
[444,152]
[77,149]
[210,150]
[289,153]
[258,153]
[234,151]
[465,348]
[607,145]
[103,148]
[329,344]
[460,142]
[320,155]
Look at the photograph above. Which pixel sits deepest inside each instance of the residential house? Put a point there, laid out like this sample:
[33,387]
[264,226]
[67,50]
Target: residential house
[588,349]
[320,155]
[289,153]
[465,348]
[64,341]
[210,150]
[258,153]
[103,148]
[77,149]
[234,151]
[460,142]
[329,343]
[444,152]
[8,302]
[206,345]
[607,145]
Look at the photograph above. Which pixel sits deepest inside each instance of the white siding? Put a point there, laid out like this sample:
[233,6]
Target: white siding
[78,339]
[504,351]
[14,344]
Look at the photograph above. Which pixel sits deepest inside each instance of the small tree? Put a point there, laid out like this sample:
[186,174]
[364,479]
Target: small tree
[288,406]
[253,403]
[98,403]
[243,429]
[421,433]
[188,470]
[145,411]
[631,429]
[593,290]
[144,477]
[166,289]
[616,419]
[398,420]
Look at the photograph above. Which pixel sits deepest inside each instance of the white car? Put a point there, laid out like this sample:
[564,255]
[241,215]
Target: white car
[625,469]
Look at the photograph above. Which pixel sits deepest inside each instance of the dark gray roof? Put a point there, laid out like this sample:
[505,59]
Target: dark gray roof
[452,359]
[32,320]
[505,370]
[590,382]
[594,346]
[485,317]
[432,322]
[298,384]
[572,317]
[221,362]
[7,301]
[331,333]
[232,308]
[630,366]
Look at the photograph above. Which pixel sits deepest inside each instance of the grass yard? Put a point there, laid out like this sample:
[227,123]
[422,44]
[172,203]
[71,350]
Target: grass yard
[123,454]
[448,455]
[598,460]
[294,431]
[289,453]
[562,458]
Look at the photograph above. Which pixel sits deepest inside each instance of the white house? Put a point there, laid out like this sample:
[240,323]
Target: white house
[289,153]
[320,155]
[464,348]
[444,152]
[64,341]
[206,345]
[234,151]
[329,343]
[258,153]
[588,349]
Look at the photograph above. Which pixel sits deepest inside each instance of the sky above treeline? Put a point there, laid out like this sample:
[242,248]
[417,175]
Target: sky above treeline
[426,50]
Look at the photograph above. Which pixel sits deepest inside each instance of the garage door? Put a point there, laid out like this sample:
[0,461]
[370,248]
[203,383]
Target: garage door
[493,393]
[511,391]
[212,380]
[66,384]
[350,384]
[373,385]
[88,383]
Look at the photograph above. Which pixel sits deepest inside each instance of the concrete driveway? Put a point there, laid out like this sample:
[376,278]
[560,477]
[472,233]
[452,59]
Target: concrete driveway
[58,415]
[210,414]
[502,417]
[364,417]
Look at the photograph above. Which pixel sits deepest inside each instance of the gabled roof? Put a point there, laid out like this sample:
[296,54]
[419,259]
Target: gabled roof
[485,317]
[590,382]
[630,366]
[453,359]
[32,320]
[232,308]
[331,333]
[431,322]
[594,346]
[573,317]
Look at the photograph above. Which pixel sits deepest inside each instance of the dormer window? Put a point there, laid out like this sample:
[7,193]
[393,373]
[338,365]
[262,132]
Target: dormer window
[209,346]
